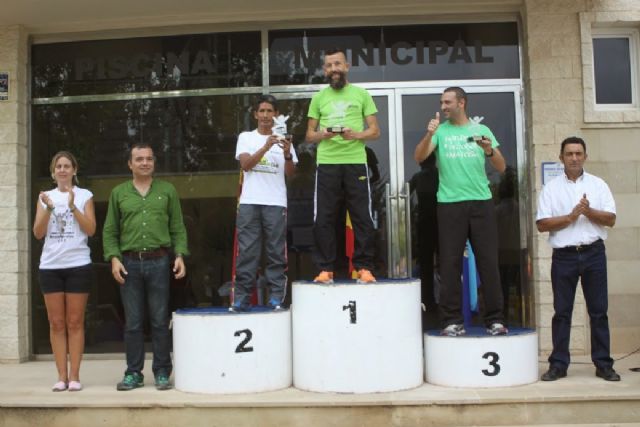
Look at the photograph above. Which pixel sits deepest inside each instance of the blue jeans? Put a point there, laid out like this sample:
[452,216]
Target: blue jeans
[147,281]
[590,265]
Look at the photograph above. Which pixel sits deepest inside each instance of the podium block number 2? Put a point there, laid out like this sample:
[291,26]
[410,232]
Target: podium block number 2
[242,347]
[493,358]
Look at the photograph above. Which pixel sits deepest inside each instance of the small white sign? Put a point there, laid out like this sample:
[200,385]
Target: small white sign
[551,170]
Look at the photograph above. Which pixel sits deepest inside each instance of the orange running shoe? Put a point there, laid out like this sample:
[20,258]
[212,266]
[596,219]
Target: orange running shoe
[365,276]
[324,277]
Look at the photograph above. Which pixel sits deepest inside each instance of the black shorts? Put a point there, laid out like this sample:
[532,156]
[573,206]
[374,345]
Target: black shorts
[74,280]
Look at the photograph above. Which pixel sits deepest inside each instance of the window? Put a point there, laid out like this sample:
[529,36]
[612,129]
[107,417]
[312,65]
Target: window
[615,68]
[611,67]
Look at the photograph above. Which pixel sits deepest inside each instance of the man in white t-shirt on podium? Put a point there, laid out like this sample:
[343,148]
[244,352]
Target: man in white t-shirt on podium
[265,158]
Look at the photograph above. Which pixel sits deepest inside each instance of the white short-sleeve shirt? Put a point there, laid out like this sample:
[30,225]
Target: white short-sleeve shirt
[561,195]
[264,184]
[65,244]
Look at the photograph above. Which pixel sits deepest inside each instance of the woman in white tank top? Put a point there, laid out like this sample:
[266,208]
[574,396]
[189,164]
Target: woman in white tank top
[65,218]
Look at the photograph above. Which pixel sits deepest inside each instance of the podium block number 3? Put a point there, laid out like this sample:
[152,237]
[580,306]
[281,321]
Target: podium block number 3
[493,358]
[242,347]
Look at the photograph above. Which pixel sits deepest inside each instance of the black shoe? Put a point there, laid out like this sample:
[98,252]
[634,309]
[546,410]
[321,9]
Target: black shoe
[553,374]
[607,374]
[162,382]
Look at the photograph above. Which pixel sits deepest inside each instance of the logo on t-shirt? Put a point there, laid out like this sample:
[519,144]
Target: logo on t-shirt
[266,166]
[339,113]
[63,225]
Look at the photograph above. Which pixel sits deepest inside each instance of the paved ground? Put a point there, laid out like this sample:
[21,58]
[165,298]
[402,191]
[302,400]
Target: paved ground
[28,385]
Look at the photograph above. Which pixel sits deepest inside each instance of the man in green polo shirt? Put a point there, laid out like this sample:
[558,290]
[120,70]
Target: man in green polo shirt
[465,209]
[337,116]
[143,226]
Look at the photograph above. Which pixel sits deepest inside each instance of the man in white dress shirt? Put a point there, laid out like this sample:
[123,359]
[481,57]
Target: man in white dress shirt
[575,208]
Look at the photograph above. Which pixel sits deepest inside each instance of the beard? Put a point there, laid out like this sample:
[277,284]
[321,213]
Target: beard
[337,83]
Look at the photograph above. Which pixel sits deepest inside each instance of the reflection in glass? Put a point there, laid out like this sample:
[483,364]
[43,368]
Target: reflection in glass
[612,69]
[147,64]
[194,142]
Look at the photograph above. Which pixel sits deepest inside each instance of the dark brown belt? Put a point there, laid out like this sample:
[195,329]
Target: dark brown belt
[153,253]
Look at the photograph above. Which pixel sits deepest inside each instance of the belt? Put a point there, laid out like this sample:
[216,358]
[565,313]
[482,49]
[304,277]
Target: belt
[580,248]
[153,253]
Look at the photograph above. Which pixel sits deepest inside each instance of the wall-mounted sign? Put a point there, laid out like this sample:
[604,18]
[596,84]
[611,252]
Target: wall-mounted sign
[4,86]
[551,170]
[398,53]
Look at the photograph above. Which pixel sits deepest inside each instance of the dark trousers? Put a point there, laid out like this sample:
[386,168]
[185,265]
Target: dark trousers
[427,243]
[476,221]
[590,265]
[147,283]
[253,222]
[332,183]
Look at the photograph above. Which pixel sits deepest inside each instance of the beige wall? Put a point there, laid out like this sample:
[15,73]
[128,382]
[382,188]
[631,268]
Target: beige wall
[557,36]
[14,235]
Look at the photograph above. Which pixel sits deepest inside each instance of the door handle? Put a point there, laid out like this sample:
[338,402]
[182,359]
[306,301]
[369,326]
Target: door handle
[390,260]
[407,222]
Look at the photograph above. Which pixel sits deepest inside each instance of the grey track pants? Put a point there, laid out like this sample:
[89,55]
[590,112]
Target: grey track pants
[255,222]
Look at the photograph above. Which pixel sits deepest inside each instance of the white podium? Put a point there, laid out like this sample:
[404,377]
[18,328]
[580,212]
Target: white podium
[481,360]
[352,338]
[216,351]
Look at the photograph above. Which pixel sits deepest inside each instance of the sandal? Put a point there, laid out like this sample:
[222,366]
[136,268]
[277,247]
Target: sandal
[59,386]
[75,386]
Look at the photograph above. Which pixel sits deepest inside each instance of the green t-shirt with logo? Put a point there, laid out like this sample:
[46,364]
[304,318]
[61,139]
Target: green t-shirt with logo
[346,107]
[461,163]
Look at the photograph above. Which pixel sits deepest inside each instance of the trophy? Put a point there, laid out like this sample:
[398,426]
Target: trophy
[279,128]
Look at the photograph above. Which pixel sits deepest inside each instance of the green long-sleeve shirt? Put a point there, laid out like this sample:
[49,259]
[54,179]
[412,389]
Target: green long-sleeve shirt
[138,223]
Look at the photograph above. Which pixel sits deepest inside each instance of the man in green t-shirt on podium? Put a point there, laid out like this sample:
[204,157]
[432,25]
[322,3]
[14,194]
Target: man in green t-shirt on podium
[465,208]
[337,115]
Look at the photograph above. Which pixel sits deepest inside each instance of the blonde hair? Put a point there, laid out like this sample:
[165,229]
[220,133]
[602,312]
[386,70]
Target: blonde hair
[70,157]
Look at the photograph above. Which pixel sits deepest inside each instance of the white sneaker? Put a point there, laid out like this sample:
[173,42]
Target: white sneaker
[453,330]
[497,329]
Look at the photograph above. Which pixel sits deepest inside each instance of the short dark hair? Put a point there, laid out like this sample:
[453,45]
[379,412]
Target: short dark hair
[573,140]
[460,94]
[334,50]
[270,99]
[138,146]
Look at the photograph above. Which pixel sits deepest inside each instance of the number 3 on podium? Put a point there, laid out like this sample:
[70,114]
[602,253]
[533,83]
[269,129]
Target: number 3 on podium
[493,362]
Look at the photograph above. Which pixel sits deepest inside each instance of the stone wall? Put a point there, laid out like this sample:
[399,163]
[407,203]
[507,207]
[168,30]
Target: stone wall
[14,221]
[558,81]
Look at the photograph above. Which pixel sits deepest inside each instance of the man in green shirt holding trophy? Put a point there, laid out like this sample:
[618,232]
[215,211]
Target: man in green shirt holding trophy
[337,115]
[465,208]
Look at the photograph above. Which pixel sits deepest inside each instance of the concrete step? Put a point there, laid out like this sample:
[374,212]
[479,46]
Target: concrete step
[580,399]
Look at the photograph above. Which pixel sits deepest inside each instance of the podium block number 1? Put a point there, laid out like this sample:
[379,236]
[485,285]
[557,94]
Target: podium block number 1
[353,315]
[493,358]
[242,347]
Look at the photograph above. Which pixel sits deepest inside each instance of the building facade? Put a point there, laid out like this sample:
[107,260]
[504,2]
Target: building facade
[94,81]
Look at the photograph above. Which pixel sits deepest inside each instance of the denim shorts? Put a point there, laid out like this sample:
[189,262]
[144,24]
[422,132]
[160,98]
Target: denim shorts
[75,280]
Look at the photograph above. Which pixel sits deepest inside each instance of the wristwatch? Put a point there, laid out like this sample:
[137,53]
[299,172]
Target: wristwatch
[490,154]
[289,157]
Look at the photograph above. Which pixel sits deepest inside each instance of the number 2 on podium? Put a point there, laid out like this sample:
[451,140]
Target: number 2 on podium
[242,347]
